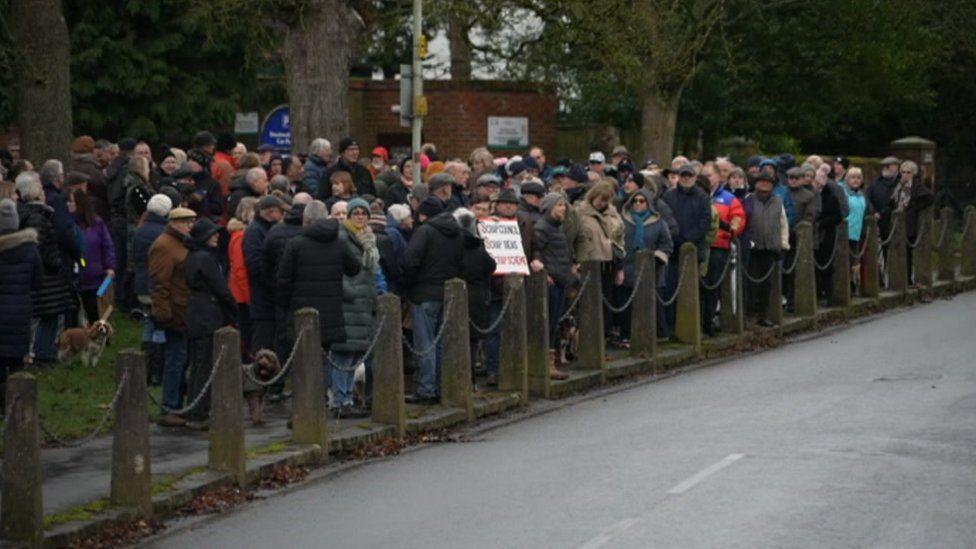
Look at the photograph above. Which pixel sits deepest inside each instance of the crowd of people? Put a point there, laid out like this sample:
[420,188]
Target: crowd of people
[219,236]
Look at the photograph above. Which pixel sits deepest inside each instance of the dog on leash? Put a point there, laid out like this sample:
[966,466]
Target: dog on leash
[264,368]
[85,343]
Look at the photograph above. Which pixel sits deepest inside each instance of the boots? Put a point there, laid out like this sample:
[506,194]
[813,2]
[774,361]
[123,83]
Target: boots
[554,372]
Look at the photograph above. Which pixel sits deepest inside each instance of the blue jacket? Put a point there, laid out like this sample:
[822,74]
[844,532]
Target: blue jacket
[142,240]
[692,209]
[21,272]
[313,175]
[783,193]
[858,204]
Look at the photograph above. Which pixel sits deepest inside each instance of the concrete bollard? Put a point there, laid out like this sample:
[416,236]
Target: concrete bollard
[591,337]
[775,311]
[456,381]
[388,404]
[308,384]
[869,261]
[687,324]
[513,372]
[967,251]
[896,258]
[946,249]
[922,254]
[537,332]
[841,296]
[131,471]
[228,453]
[804,276]
[732,305]
[643,311]
[22,509]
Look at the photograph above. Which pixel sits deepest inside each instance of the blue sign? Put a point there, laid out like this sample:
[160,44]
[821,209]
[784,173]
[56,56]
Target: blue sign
[276,130]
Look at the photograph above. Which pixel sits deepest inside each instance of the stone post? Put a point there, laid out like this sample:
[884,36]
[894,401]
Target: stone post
[946,248]
[841,296]
[775,311]
[591,338]
[513,368]
[732,313]
[967,250]
[456,366]
[308,384]
[22,509]
[869,260]
[804,276]
[388,403]
[537,332]
[922,254]
[687,322]
[131,473]
[643,310]
[896,260]
[228,453]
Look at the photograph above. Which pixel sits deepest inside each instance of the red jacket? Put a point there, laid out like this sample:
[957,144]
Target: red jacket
[239,285]
[729,208]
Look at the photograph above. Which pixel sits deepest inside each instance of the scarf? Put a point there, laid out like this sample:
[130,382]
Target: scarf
[639,219]
[902,196]
[365,237]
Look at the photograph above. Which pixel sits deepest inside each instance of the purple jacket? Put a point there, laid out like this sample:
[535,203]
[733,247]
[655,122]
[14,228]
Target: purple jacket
[99,254]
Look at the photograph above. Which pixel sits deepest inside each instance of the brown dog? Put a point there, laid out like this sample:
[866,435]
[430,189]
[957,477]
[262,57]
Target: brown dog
[264,368]
[86,343]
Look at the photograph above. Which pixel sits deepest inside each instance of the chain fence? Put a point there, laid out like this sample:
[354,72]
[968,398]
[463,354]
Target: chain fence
[833,255]
[109,410]
[891,234]
[677,287]
[633,294]
[284,369]
[945,231]
[576,300]
[509,298]
[919,236]
[437,338]
[366,354]
[725,272]
[761,279]
[199,398]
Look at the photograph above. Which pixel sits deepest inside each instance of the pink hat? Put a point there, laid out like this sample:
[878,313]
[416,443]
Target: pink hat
[424,161]
[501,161]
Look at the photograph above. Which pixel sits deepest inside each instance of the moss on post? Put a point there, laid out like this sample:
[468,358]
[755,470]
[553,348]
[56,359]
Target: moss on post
[131,484]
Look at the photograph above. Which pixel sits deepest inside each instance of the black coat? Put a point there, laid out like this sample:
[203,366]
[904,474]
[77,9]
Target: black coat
[310,275]
[278,237]
[238,190]
[550,246]
[434,255]
[211,304]
[260,281]
[360,177]
[397,194]
[692,209]
[54,295]
[21,273]
[477,271]
[143,239]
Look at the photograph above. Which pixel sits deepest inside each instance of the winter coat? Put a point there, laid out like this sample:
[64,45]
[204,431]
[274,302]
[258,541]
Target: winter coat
[550,246]
[434,255]
[600,233]
[21,275]
[211,305]
[137,195]
[313,175]
[397,194]
[97,188]
[359,293]
[235,259]
[657,239]
[310,275]
[804,205]
[260,281]
[361,178]
[99,255]
[829,217]
[115,175]
[205,197]
[55,294]
[278,237]
[693,212]
[879,194]
[530,211]
[69,235]
[855,219]
[477,271]
[921,198]
[168,288]
[782,191]
[728,208]
[397,241]
[142,241]
[767,225]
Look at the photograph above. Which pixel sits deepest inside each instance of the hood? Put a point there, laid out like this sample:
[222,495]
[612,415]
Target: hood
[648,195]
[12,240]
[325,230]
[446,224]
[471,241]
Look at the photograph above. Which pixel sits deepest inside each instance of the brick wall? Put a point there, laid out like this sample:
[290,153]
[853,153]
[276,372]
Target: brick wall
[458,111]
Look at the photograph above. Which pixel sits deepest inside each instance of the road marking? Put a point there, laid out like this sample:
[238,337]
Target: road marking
[691,481]
[607,535]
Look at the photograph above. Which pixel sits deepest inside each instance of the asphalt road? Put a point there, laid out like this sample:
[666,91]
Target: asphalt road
[865,438]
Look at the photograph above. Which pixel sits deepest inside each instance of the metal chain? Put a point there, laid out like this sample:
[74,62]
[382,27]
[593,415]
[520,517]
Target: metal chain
[855,257]
[796,260]
[918,237]
[833,254]
[891,234]
[437,338]
[763,278]
[366,355]
[98,428]
[199,397]
[633,294]
[576,300]
[677,287]
[284,369]
[725,271]
[501,315]
[945,230]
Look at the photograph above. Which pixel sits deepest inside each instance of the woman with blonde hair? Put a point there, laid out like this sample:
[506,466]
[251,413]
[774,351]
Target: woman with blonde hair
[601,238]
[859,208]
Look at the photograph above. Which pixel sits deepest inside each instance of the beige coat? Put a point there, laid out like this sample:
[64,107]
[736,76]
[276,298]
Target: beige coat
[599,233]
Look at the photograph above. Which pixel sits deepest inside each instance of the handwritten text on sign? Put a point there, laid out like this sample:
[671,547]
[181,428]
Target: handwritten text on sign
[504,244]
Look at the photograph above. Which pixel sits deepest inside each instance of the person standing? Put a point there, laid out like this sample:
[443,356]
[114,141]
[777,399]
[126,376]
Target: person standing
[348,161]
[644,229]
[170,295]
[880,194]
[157,211]
[731,223]
[767,235]
[239,286]
[99,252]
[551,251]
[261,282]
[859,208]
[314,177]
[693,212]
[912,197]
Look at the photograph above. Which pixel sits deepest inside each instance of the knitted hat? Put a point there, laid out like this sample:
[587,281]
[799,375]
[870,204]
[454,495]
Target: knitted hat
[159,204]
[549,202]
[204,138]
[9,220]
[507,195]
[431,206]
[578,173]
[530,163]
[377,222]
[399,212]
[347,142]
[357,203]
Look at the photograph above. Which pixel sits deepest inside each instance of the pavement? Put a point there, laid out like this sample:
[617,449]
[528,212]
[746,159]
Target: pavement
[862,438]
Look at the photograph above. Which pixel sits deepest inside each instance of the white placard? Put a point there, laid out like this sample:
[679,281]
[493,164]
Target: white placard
[246,123]
[508,132]
[503,240]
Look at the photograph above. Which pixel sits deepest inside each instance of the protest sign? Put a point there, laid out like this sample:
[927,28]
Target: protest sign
[503,240]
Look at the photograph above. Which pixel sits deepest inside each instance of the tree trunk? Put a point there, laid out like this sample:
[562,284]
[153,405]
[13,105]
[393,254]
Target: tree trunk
[460,50]
[316,54]
[42,52]
[659,116]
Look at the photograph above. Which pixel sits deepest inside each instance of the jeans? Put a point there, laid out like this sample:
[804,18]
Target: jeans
[45,349]
[174,367]
[493,341]
[427,317]
[343,366]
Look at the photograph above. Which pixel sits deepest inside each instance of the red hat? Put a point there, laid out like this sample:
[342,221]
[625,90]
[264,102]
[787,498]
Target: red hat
[381,151]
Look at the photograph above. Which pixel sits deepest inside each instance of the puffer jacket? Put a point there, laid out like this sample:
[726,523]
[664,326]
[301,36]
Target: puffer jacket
[21,274]
[235,259]
[551,247]
[434,255]
[142,240]
[278,236]
[728,208]
[313,175]
[359,293]
[54,295]
[310,275]
[657,239]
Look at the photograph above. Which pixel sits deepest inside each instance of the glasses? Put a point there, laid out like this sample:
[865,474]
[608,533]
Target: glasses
[640,201]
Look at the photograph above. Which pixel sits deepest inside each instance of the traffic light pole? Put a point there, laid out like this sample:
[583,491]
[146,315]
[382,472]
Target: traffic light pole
[419,104]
